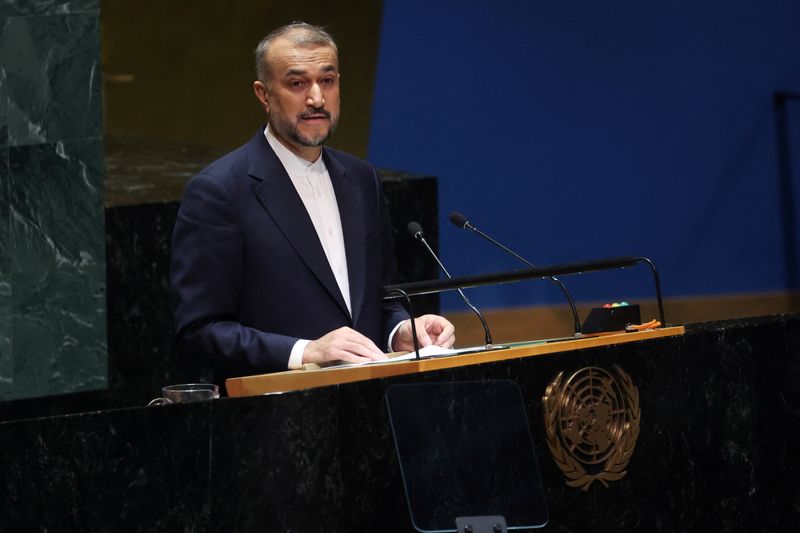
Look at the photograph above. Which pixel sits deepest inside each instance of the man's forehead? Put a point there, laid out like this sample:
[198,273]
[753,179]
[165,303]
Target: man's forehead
[285,55]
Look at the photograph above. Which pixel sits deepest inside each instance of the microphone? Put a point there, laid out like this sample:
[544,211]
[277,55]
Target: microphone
[415,230]
[461,221]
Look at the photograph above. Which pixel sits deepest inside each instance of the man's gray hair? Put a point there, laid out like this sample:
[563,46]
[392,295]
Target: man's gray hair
[300,34]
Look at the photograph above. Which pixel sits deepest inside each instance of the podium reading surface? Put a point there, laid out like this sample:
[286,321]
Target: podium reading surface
[307,379]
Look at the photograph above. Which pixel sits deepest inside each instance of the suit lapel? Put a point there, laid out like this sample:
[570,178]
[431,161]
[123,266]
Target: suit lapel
[351,213]
[276,193]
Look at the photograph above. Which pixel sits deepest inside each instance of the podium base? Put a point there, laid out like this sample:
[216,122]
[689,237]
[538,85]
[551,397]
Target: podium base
[481,524]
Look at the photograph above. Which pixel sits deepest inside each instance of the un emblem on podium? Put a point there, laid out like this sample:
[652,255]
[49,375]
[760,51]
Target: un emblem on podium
[592,424]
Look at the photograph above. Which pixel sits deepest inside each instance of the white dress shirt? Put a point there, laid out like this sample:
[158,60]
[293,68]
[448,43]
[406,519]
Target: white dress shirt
[313,184]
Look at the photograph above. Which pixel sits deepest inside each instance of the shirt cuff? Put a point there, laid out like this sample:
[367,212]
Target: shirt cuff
[296,355]
[391,335]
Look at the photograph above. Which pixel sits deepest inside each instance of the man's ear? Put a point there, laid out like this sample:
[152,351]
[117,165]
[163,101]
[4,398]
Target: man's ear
[261,93]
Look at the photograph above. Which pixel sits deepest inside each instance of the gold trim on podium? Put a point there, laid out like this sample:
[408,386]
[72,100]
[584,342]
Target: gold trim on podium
[320,377]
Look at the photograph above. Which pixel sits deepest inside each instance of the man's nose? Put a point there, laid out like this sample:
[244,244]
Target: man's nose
[314,98]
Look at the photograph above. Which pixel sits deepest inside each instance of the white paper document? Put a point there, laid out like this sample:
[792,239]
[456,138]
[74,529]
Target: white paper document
[428,351]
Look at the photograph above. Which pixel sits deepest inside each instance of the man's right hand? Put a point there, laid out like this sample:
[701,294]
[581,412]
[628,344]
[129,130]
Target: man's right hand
[343,344]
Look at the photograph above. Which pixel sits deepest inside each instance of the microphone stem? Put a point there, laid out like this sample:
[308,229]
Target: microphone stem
[552,278]
[487,335]
[435,257]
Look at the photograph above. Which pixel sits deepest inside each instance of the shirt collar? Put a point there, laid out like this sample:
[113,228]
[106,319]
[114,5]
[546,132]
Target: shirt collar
[294,164]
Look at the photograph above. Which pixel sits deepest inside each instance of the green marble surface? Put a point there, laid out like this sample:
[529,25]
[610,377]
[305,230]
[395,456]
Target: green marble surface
[52,78]
[6,361]
[56,198]
[3,101]
[5,280]
[52,227]
[10,8]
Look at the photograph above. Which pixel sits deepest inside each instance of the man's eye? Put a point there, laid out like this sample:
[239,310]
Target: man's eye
[296,83]
[327,81]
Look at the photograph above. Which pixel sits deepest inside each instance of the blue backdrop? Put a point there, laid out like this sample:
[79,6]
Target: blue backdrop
[584,129]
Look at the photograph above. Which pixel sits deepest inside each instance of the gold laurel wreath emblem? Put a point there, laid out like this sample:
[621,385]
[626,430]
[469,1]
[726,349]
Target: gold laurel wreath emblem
[614,467]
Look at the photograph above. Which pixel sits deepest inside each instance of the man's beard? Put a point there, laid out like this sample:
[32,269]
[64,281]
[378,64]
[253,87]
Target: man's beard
[289,130]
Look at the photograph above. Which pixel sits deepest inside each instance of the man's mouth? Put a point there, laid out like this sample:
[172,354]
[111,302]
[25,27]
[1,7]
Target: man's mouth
[315,115]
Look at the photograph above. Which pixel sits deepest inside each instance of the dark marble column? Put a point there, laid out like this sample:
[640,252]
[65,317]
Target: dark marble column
[52,262]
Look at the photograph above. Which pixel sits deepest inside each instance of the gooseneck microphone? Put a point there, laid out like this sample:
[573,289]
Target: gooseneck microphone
[461,221]
[415,230]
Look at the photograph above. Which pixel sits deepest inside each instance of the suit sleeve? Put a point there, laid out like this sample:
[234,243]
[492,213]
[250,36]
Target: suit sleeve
[206,277]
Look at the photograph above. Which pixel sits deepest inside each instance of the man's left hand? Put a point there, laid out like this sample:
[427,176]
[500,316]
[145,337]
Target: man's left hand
[431,329]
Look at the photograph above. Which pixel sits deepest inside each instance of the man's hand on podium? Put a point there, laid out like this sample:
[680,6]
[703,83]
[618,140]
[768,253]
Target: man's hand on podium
[343,344]
[431,329]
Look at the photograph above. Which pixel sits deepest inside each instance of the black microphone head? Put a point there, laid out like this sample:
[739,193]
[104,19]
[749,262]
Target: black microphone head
[414,229]
[458,219]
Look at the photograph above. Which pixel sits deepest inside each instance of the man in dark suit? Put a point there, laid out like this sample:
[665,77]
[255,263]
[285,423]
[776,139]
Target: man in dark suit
[281,247]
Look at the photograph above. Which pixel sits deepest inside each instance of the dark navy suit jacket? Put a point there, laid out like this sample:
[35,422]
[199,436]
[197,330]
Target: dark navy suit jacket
[249,276]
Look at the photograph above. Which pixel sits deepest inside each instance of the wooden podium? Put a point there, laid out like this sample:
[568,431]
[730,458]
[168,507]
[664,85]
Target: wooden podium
[319,377]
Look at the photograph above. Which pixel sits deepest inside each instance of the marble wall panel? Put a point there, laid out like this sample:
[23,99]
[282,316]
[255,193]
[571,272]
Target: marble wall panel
[141,331]
[52,269]
[11,8]
[56,206]
[6,373]
[57,267]
[52,78]
[3,88]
